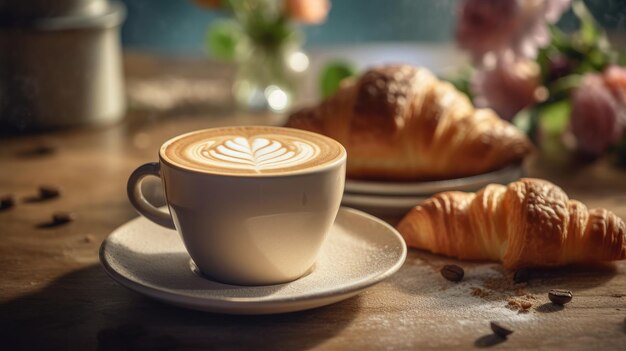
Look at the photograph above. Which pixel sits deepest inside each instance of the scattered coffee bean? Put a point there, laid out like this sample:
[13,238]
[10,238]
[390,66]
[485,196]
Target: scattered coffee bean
[6,202]
[62,217]
[39,150]
[452,272]
[521,276]
[499,330]
[44,149]
[560,297]
[49,192]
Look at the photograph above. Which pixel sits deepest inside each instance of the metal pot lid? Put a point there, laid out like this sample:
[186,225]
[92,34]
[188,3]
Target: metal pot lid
[111,17]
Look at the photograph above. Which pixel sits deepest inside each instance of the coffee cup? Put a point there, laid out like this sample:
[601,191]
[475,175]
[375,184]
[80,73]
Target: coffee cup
[252,204]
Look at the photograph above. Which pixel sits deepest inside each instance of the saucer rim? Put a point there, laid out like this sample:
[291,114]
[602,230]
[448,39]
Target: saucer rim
[236,304]
[428,188]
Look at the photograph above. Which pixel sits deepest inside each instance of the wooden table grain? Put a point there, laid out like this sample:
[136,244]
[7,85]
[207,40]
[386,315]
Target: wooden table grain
[54,294]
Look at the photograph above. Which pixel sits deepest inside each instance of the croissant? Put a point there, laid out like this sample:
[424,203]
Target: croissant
[529,223]
[400,122]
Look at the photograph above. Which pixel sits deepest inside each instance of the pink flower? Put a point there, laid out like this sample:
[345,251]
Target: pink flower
[507,87]
[615,78]
[596,118]
[307,11]
[487,27]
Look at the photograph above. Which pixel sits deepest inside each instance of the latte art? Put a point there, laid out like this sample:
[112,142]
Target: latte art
[252,153]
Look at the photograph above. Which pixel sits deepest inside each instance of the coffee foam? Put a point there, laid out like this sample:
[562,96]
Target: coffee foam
[251,151]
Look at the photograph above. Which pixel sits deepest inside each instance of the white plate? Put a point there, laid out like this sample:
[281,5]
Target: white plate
[473,183]
[360,251]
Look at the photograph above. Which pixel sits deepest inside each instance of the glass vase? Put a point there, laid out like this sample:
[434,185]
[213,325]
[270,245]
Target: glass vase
[266,77]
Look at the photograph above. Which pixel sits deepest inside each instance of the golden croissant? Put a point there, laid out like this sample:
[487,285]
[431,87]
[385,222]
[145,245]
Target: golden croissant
[400,122]
[529,223]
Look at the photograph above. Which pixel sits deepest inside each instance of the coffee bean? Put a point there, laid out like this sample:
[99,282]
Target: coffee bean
[521,276]
[49,192]
[452,272]
[62,217]
[39,150]
[499,330]
[560,297]
[43,150]
[6,202]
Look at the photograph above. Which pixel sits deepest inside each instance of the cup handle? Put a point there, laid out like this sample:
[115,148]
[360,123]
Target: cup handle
[139,201]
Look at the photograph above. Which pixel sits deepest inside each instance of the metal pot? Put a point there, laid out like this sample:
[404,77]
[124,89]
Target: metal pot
[62,71]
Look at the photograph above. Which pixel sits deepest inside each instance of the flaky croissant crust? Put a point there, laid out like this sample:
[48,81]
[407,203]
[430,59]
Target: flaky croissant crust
[528,223]
[400,122]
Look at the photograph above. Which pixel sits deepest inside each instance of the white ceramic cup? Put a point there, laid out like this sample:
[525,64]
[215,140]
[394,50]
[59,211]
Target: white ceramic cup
[246,229]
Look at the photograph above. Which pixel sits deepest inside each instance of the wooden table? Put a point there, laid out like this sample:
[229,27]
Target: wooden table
[55,295]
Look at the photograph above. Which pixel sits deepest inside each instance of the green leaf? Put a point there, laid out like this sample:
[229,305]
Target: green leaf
[622,59]
[598,59]
[523,120]
[589,30]
[223,38]
[332,75]
[559,40]
[461,80]
[563,87]
[271,33]
[543,60]
[554,117]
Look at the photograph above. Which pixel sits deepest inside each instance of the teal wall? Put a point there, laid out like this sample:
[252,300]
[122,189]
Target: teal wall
[179,26]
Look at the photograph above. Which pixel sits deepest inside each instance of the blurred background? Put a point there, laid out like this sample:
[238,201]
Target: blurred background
[69,63]
[180,27]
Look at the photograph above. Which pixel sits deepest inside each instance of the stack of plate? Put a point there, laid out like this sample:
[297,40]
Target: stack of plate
[393,199]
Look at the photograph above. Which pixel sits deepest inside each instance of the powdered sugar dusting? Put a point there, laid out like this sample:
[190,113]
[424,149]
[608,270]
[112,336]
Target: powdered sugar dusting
[419,301]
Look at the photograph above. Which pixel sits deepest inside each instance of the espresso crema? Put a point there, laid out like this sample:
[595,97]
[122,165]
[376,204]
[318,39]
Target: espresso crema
[252,150]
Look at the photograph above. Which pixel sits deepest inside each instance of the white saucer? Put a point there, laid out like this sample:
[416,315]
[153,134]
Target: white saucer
[360,251]
[473,183]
